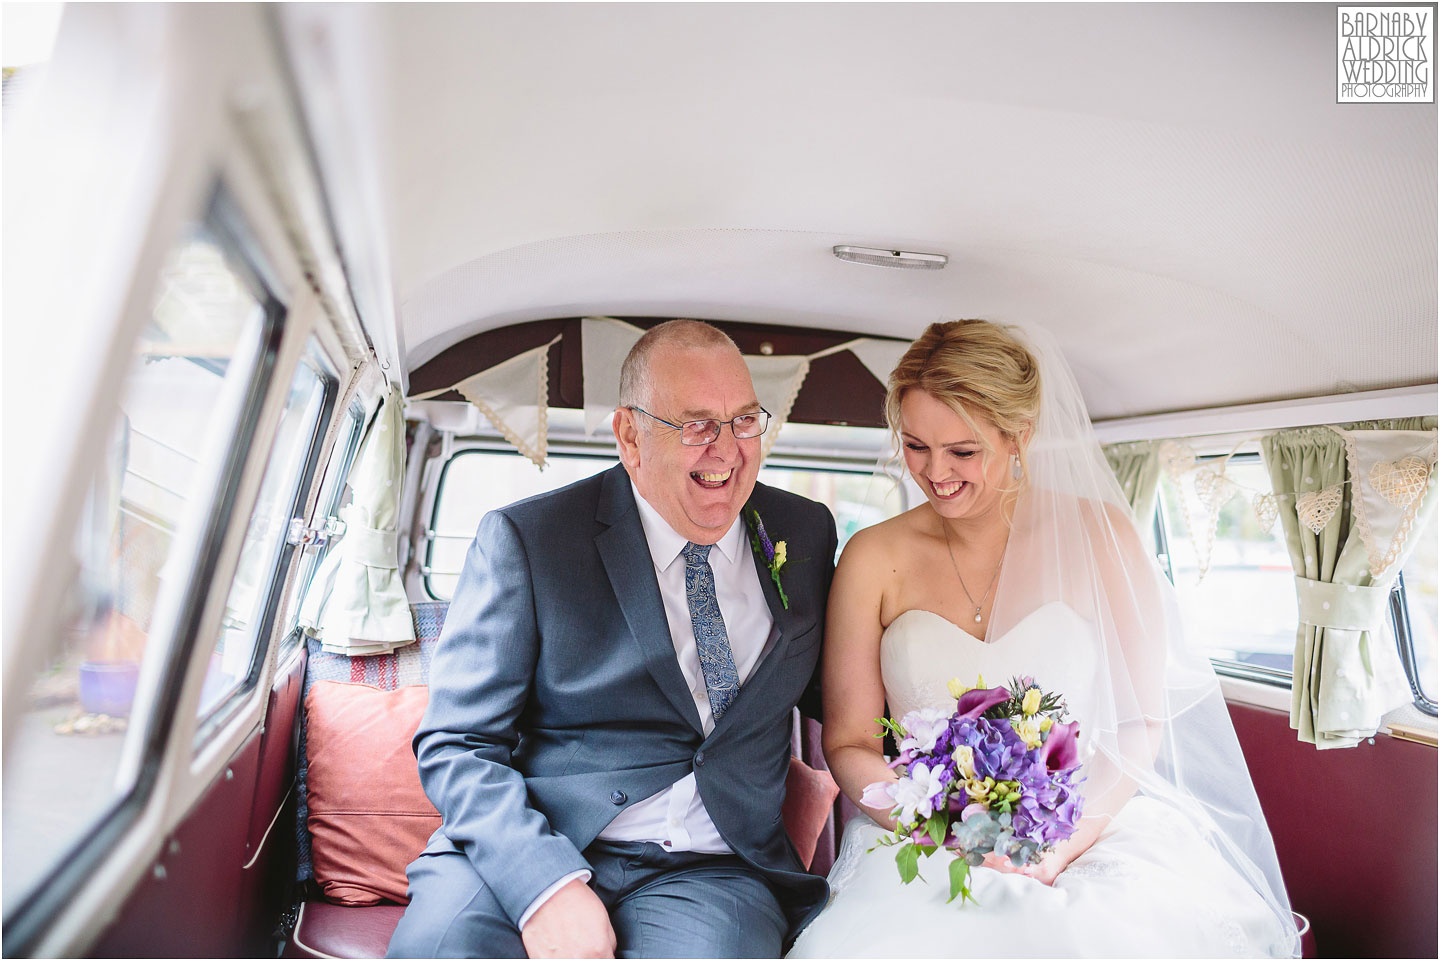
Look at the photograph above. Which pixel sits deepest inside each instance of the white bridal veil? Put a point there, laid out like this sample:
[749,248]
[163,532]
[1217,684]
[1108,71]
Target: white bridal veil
[1158,723]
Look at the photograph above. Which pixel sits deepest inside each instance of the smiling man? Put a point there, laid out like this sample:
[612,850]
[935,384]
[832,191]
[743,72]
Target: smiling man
[608,730]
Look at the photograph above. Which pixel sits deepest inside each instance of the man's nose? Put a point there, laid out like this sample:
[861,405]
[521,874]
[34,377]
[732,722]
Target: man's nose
[725,445]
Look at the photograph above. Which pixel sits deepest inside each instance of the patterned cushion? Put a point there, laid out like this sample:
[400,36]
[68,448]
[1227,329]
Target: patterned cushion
[405,666]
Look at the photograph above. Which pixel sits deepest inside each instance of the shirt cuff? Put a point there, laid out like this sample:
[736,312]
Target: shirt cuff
[548,893]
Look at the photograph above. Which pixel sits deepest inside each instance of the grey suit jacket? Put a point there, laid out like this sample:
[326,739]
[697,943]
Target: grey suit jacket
[556,700]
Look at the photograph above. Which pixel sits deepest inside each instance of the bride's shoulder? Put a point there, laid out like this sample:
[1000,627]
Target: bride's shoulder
[875,552]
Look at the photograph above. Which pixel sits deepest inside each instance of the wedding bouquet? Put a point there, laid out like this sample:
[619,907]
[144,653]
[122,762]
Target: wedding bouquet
[998,775]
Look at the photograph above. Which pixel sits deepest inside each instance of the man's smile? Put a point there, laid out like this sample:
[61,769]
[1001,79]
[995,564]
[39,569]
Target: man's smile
[712,480]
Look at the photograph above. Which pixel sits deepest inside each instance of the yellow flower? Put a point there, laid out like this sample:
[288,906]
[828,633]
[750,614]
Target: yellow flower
[1046,724]
[958,690]
[979,789]
[1031,704]
[1029,730]
[779,555]
[964,756]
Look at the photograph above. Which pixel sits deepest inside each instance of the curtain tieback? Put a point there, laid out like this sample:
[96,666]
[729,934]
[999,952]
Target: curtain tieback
[1347,607]
[372,547]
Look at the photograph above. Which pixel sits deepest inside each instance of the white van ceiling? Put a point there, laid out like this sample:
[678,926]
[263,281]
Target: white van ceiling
[1172,189]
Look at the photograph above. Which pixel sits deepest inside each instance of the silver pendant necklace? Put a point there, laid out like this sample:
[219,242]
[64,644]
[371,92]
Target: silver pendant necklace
[945,529]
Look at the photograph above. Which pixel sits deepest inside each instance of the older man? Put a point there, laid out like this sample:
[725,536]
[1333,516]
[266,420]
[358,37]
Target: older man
[609,721]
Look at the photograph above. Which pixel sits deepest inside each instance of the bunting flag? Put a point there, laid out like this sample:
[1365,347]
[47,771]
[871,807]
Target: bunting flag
[513,394]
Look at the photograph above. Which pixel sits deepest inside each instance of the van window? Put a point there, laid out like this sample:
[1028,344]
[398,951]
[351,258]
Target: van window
[1243,611]
[1418,579]
[249,609]
[334,493]
[475,482]
[151,503]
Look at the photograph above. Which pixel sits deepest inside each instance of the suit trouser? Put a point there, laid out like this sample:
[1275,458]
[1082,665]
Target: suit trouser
[661,905]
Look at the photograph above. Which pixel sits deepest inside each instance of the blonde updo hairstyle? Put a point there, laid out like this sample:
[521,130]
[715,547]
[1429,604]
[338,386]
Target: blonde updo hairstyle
[977,369]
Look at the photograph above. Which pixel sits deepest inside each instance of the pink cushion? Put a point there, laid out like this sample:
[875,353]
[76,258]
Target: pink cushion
[809,798]
[369,817]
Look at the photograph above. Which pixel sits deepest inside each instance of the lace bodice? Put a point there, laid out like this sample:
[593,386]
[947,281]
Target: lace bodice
[921,651]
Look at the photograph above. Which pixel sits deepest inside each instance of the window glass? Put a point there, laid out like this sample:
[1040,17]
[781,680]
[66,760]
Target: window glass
[1244,608]
[172,430]
[260,554]
[334,492]
[478,481]
[1420,576]
[857,500]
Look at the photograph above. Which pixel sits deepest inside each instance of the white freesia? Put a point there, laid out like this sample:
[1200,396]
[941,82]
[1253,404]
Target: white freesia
[917,793]
[923,727]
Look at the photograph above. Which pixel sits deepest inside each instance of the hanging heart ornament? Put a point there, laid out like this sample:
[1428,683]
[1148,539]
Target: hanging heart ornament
[1266,511]
[1176,459]
[1400,482]
[1212,488]
[1318,507]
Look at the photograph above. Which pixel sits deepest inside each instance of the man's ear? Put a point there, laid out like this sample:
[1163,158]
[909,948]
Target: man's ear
[627,436]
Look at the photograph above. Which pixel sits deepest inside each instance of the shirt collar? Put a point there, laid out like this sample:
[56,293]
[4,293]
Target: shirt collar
[665,544]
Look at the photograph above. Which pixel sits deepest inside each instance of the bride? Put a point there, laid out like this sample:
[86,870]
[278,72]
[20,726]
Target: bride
[1025,560]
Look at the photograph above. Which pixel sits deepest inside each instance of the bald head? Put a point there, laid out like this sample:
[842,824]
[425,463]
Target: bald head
[636,382]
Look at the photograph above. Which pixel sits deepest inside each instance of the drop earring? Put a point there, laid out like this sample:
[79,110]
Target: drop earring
[1016,471]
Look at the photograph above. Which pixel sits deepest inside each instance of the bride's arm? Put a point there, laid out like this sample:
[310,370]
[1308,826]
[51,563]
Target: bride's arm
[851,686]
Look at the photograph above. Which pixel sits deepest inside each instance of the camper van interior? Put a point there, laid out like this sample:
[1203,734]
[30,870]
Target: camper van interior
[295,294]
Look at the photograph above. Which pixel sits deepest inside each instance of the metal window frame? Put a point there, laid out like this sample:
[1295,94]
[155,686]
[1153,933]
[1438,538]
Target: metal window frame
[27,922]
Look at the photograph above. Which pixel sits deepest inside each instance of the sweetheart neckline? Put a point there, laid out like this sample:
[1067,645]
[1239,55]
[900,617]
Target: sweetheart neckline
[945,620]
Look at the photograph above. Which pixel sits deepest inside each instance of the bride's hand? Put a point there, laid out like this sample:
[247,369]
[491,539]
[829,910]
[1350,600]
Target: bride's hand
[1045,872]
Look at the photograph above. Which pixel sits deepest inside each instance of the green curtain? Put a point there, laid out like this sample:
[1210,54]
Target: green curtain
[1347,671]
[1137,468]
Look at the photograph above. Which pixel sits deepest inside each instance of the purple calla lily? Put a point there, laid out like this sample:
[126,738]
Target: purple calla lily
[1061,750]
[976,702]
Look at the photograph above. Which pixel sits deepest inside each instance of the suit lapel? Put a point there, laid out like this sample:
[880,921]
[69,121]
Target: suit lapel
[626,557]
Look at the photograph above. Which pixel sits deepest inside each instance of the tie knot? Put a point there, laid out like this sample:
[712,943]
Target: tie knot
[696,554]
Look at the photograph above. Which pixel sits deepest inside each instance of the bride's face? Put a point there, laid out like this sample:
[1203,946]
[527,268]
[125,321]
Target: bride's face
[964,474]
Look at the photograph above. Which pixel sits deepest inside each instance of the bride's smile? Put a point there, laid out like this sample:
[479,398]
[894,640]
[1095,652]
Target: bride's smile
[964,470]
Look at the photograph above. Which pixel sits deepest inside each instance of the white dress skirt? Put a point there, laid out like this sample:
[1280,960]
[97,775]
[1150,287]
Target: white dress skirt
[1150,886]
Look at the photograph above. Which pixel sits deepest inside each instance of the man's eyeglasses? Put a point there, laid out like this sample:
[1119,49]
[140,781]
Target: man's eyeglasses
[698,433]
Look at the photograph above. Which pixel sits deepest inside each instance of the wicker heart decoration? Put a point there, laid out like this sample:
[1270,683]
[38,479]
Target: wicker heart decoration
[1212,488]
[1318,507]
[1400,482]
[1266,511]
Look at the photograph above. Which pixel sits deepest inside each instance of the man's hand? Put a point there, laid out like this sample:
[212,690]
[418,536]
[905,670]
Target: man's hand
[573,923]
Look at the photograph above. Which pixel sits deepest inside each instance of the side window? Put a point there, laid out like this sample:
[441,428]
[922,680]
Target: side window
[1416,618]
[333,490]
[475,482]
[250,606]
[1243,610]
[144,545]
[856,499]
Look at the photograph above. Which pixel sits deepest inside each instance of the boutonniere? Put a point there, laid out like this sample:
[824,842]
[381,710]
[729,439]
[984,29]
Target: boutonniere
[772,551]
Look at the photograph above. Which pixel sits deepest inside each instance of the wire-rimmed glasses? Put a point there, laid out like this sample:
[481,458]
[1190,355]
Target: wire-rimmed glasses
[698,433]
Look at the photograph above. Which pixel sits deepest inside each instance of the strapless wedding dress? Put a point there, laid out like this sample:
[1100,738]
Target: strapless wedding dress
[1148,887]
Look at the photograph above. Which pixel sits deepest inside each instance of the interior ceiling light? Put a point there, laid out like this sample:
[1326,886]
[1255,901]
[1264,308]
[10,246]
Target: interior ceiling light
[885,257]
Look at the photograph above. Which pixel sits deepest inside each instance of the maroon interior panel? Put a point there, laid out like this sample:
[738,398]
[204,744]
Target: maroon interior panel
[1355,830]
[189,908]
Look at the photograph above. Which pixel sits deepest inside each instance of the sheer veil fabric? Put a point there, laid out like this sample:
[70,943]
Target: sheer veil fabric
[1158,725]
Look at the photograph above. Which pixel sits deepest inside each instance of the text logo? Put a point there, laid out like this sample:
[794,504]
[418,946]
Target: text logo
[1385,54]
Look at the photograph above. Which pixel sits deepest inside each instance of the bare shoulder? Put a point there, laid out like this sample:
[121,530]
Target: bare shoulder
[874,549]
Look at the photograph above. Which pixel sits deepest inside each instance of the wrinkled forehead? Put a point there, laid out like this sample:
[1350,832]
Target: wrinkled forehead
[699,383]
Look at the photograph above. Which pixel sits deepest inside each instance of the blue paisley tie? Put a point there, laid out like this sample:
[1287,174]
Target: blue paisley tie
[722,682]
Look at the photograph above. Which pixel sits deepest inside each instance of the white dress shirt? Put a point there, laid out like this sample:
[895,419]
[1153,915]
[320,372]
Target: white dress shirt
[676,818]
